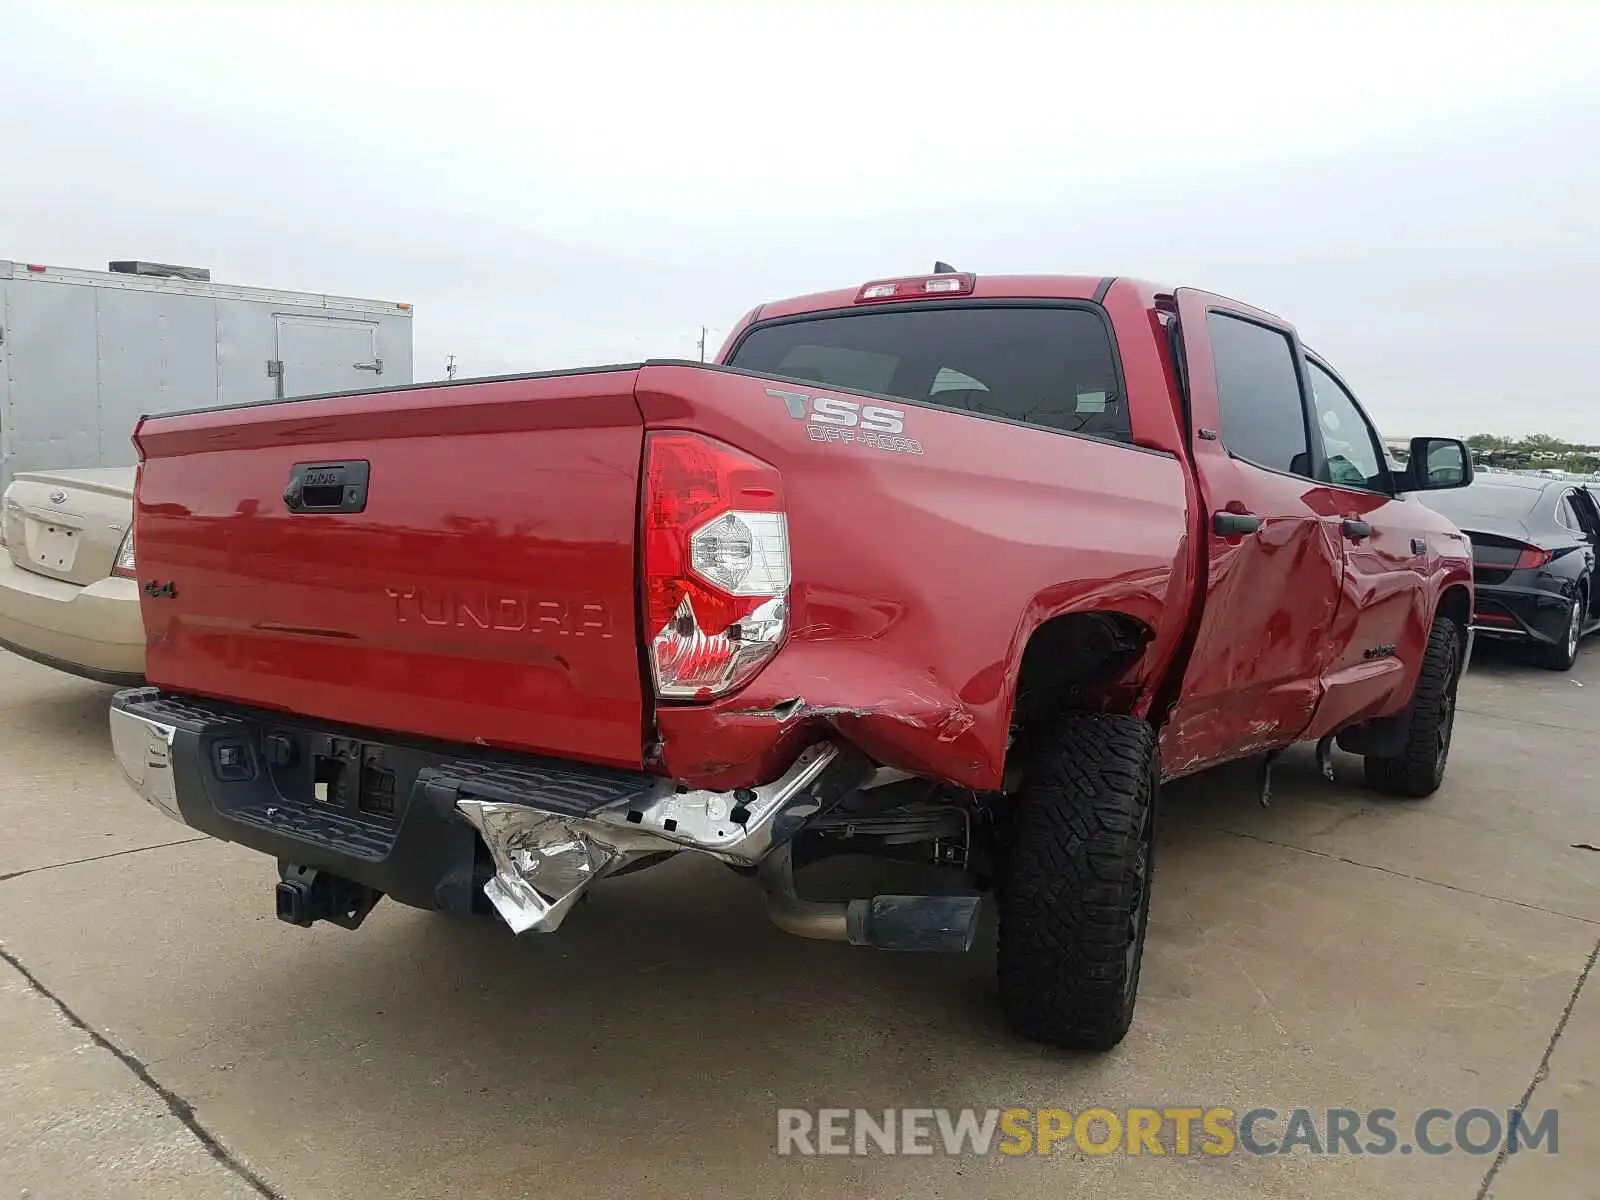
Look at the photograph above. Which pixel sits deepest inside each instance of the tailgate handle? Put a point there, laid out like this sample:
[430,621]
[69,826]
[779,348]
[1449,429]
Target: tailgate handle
[339,487]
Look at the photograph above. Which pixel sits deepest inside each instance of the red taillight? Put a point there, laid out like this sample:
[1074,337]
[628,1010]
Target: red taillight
[1532,556]
[918,287]
[716,565]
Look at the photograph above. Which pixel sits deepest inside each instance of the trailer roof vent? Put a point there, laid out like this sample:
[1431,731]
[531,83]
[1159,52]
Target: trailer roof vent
[161,270]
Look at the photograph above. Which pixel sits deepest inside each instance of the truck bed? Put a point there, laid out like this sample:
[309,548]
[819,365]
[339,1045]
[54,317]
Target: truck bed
[488,593]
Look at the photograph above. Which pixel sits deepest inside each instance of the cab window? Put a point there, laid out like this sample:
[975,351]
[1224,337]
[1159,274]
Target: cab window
[1351,454]
[1049,366]
[1258,391]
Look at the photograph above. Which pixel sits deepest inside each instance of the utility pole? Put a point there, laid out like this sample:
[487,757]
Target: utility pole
[450,366]
[702,343]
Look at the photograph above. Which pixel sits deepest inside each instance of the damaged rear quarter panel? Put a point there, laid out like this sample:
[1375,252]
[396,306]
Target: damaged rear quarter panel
[918,578]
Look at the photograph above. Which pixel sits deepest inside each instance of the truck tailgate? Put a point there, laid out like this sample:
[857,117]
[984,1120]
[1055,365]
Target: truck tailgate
[456,562]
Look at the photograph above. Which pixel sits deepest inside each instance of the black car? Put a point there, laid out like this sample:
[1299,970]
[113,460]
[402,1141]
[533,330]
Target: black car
[1534,540]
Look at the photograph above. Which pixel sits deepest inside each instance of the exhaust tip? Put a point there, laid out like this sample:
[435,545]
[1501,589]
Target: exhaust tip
[942,924]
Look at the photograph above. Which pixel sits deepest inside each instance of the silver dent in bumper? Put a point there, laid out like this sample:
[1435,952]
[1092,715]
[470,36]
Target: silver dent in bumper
[544,862]
[542,865]
[144,749]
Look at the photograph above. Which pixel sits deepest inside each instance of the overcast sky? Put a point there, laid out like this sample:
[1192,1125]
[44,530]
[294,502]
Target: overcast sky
[1416,187]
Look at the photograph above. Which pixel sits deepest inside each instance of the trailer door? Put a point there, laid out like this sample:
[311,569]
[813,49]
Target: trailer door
[325,354]
[5,378]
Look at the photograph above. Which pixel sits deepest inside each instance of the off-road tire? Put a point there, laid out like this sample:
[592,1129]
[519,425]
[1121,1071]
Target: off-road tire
[1560,656]
[1418,769]
[1075,897]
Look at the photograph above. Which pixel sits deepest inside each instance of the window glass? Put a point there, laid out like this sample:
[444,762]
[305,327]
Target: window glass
[1568,515]
[1258,389]
[1047,366]
[839,366]
[1496,498]
[1583,509]
[1347,440]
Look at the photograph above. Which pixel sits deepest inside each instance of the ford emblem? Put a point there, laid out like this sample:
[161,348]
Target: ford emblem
[58,497]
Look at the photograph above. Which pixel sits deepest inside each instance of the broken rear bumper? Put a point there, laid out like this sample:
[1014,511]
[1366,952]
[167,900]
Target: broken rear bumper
[432,825]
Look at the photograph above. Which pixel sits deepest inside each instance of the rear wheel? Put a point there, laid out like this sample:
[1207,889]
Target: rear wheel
[1075,895]
[1559,656]
[1418,769]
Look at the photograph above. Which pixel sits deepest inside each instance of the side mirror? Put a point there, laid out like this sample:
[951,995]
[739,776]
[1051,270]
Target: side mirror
[1437,463]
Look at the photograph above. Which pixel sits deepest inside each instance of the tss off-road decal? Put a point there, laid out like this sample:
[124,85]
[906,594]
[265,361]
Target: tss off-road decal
[835,419]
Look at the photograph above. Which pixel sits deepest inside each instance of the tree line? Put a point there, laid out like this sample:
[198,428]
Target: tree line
[1534,450]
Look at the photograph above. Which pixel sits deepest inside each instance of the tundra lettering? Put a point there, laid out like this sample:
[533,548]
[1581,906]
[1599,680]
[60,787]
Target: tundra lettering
[648,619]
[508,612]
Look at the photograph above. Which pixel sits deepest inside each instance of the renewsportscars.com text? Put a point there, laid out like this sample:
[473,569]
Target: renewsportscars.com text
[1179,1131]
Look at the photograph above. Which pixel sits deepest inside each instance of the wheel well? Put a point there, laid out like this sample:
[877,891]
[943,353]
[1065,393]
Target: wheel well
[1068,657]
[1456,604]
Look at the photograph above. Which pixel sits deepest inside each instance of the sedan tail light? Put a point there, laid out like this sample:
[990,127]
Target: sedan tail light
[1532,556]
[125,565]
[716,565]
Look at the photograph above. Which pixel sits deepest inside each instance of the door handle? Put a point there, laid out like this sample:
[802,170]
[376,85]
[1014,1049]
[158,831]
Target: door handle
[1232,524]
[1356,529]
[375,366]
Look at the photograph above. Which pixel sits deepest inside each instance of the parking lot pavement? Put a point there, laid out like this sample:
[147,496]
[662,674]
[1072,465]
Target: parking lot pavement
[162,1035]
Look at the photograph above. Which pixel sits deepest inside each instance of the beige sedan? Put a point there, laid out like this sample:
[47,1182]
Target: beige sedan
[68,598]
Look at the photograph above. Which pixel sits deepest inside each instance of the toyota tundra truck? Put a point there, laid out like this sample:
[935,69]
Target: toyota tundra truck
[952,568]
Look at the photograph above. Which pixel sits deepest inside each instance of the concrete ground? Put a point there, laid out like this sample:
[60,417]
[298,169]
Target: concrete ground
[162,1035]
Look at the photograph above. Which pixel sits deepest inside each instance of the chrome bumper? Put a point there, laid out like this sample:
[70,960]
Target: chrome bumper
[144,749]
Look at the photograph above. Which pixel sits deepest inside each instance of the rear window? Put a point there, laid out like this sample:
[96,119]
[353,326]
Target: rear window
[1051,367]
[1485,501]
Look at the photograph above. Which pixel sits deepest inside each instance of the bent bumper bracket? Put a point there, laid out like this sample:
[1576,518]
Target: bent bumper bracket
[545,861]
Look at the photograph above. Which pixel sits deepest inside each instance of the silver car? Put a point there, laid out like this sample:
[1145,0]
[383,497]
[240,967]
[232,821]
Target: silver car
[68,597]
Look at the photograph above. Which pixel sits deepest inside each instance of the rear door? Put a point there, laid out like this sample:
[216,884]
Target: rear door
[326,354]
[1275,565]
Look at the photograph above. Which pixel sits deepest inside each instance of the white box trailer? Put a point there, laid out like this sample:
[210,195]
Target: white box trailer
[83,354]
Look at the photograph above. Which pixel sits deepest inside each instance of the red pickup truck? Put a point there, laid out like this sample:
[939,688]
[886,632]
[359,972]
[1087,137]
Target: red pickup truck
[948,567]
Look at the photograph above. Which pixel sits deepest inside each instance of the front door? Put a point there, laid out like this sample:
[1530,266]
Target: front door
[1385,553]
[326,354]
[1274,567]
